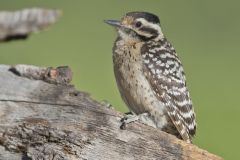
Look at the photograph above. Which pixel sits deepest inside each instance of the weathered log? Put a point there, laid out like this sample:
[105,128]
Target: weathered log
[50,119]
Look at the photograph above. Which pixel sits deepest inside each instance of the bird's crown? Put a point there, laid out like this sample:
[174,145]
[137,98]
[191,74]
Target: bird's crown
[152,18]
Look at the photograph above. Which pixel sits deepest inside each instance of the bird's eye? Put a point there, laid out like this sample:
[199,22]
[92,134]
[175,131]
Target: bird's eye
[138,24]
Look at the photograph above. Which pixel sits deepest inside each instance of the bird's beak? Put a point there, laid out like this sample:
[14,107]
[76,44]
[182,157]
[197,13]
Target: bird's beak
[113,23]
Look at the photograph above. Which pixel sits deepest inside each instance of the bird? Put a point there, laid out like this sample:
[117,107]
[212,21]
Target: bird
[150,76]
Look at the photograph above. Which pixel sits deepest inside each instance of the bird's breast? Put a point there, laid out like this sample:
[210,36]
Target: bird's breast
[132,83]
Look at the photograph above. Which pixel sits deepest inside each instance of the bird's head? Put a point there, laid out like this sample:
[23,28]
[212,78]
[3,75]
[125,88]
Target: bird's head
[141,26]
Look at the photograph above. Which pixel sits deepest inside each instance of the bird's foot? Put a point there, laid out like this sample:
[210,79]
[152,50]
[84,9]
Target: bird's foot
[129,117]
[142,118]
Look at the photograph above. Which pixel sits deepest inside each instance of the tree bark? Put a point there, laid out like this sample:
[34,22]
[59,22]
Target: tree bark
[43,117]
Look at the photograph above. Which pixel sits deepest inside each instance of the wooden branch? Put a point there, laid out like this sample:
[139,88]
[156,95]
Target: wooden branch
[19,24]
[50,119]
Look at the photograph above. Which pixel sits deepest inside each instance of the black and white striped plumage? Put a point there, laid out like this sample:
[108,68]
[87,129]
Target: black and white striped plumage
[150,76]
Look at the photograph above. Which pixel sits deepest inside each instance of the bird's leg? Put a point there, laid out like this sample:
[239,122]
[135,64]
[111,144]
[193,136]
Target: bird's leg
[142,118]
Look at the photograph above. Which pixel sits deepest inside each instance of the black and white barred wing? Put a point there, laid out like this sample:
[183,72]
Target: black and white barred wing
[166,77]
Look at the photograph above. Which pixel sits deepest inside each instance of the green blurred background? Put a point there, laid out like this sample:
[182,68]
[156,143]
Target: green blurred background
[205,34]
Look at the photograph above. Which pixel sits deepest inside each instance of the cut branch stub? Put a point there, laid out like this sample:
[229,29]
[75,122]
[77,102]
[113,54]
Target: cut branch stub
[59,75]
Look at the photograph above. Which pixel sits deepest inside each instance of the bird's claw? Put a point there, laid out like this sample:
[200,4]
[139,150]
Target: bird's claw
[143,118]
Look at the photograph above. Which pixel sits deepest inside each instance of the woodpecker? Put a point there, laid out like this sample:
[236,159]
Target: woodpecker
[150,76]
